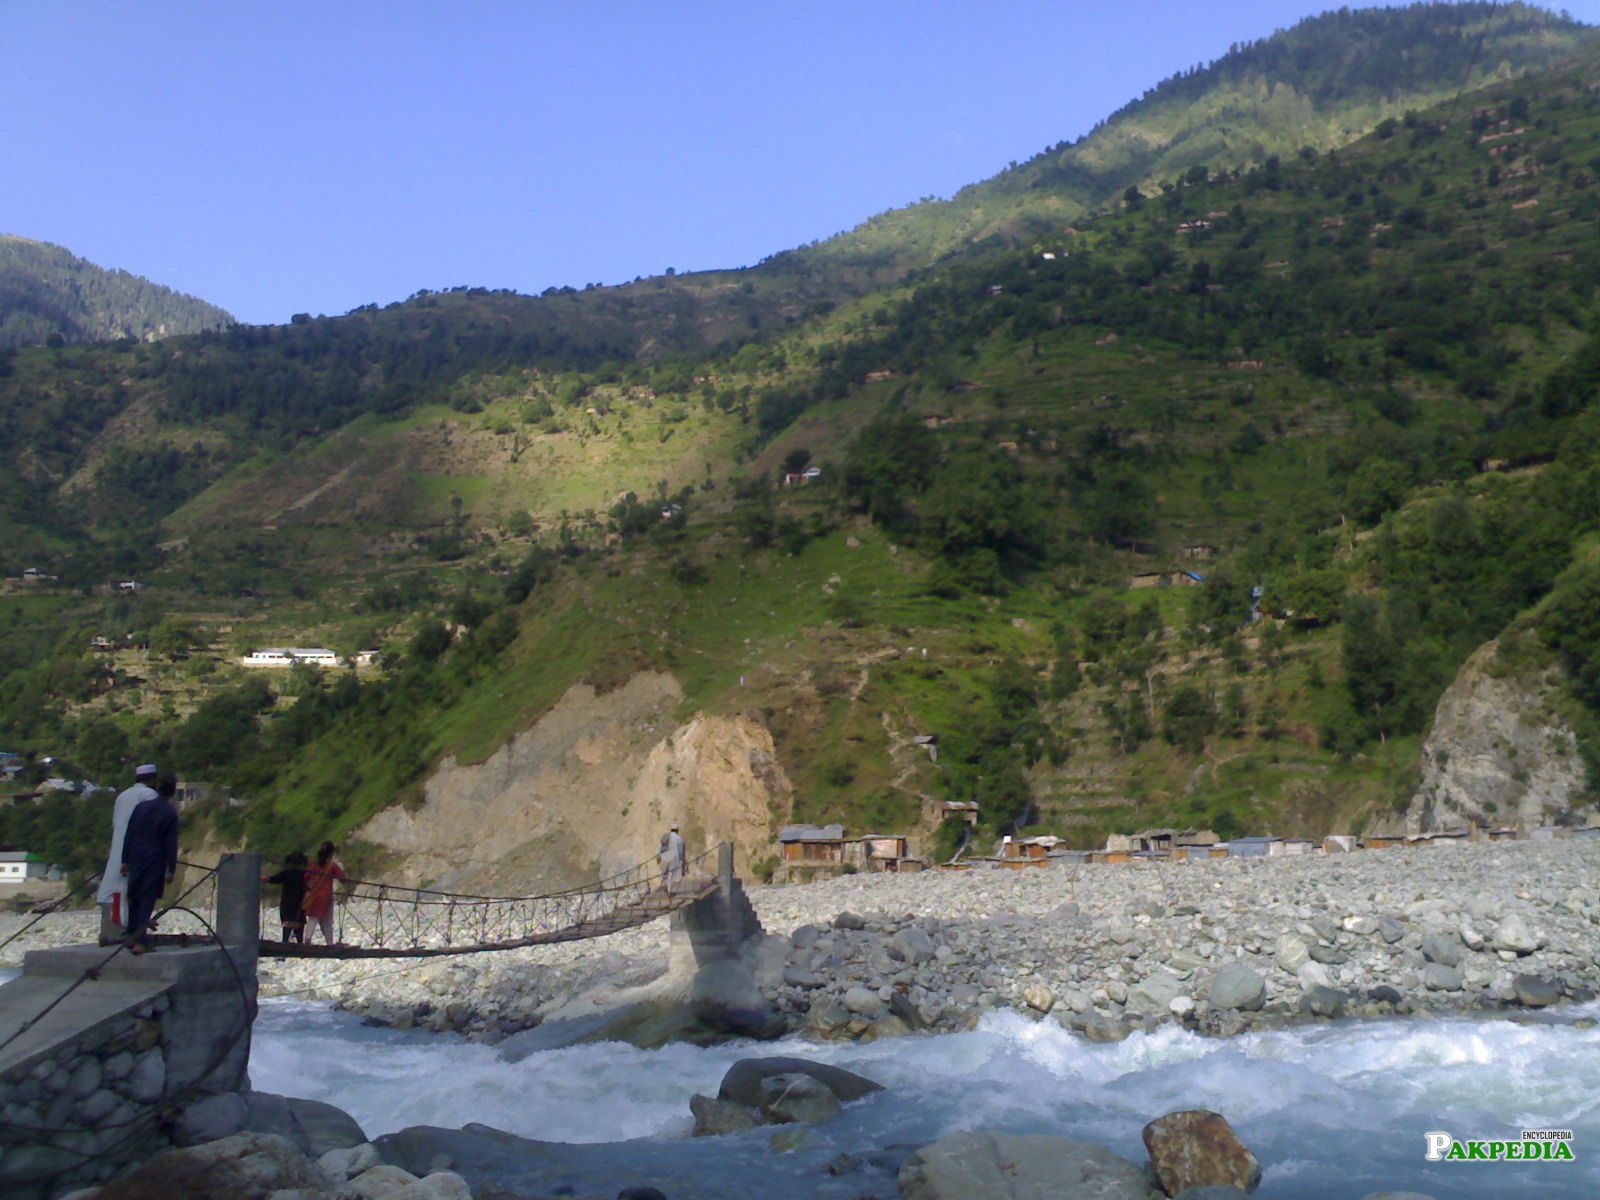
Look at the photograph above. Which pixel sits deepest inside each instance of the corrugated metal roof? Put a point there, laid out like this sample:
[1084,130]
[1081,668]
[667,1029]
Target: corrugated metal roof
[811,833]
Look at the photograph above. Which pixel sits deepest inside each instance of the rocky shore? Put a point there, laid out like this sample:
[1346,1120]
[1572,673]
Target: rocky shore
[1219,946]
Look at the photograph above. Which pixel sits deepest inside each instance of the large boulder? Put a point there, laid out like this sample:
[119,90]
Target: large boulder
[742,1083]
[243,1166]
[984,1165]
[1236,985]
[325,1127]
[1198,1148]
[209,1119]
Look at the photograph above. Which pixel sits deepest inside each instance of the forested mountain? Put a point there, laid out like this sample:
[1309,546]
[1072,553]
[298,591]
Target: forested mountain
[1325,81]
[49,294]
[1339,412]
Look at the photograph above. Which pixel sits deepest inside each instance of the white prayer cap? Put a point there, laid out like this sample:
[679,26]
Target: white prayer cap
[145,769]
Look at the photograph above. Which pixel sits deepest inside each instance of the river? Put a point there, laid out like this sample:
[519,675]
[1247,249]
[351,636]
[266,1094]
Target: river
[1333,1111]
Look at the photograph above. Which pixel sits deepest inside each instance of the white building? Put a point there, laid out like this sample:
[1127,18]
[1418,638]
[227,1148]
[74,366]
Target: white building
[287,656]
[17,866]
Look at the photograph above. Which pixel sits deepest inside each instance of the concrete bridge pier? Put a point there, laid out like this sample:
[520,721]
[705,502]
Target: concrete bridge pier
[99,1050]
[713,928]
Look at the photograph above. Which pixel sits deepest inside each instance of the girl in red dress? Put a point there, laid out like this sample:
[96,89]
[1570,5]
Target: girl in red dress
[318,904]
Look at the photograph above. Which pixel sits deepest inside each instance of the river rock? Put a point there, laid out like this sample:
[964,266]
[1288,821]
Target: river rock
[1513,934]
[1218,1192]
[802,977]
[1292,952]
[1038,997]
[901,1008]
[1155,992]
[1440,978]
[742,1083]
[797,1099]
[1314,975]
[1103,1029]
[350,1161]
[849,920]
[804,937]
[1442,948]
[863,1001]
[1237,986]
[1198,1148]
[985,1165]
[911,945]
[383,1182]
[1322,1001]
[714,1117]
[1390,930]
[1534,991]
[242,1164]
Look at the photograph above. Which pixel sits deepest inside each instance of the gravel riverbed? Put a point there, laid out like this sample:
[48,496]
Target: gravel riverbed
[1220,946]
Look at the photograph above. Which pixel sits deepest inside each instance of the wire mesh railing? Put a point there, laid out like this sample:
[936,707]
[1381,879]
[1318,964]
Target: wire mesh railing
[387,920]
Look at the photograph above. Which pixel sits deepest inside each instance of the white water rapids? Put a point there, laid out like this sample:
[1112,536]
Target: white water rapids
[1333,1111]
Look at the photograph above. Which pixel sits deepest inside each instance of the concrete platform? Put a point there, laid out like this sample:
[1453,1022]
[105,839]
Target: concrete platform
[165,964]
[98,1002]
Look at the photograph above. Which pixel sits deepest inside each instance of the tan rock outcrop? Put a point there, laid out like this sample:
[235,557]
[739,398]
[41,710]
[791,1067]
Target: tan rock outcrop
[588,791]
[1496,755]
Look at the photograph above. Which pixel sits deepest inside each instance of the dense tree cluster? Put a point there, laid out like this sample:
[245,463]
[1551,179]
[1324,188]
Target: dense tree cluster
[49,295]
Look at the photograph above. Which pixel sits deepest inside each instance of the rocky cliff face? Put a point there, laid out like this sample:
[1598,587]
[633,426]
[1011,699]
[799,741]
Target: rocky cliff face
[588,791]
[1498,754]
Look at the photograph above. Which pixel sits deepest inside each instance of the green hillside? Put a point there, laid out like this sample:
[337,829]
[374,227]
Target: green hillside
[1363,381]
[1321,83]
[47,293]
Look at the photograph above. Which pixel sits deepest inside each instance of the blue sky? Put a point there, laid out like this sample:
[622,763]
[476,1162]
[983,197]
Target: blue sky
[311,156]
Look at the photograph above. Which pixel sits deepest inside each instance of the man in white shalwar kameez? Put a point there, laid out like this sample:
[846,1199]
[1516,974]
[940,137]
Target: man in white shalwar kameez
[672,856]
[113,894]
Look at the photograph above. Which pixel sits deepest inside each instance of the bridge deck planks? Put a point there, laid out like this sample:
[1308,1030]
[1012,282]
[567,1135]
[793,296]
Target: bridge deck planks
[655,904]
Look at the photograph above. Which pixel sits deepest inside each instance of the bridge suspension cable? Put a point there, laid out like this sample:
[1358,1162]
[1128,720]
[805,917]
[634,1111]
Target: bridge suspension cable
[387,921]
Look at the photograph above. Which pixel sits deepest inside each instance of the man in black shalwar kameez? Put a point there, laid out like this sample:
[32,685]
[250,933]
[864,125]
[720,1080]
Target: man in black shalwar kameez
[149,860]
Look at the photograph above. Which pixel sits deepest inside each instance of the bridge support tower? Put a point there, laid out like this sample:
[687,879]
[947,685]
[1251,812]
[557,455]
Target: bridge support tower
[714,927]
